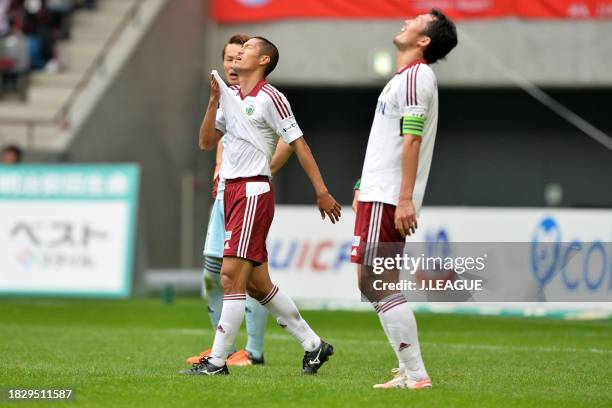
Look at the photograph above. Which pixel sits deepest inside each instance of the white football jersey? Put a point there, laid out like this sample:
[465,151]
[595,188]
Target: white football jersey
[270,114]
[407,105]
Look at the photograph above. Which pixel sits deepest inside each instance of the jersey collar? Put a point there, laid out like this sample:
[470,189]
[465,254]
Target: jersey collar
[419,61]
[255,90]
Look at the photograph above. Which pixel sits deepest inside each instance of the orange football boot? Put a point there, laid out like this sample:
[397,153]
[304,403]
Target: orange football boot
[196,359]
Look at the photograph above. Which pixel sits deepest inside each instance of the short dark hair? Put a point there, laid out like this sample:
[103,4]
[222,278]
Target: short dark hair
[15,150]
[443,34]
[238,39]
[269,49]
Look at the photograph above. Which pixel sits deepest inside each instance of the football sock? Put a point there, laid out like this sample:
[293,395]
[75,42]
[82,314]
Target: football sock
[214,291]
[288,317]
[256,318]
[400,326]
[232,315]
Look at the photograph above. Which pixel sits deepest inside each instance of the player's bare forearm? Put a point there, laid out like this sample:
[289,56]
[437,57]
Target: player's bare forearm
[209,136]
[281,155]
[410,161]
[405,212]
[326,203]
[308,163]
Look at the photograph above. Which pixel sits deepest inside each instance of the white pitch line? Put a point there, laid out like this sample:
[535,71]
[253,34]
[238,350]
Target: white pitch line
[476,346]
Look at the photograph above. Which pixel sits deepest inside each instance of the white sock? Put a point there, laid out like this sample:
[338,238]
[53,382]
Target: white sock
[288,317]
[230,321]
[400,326]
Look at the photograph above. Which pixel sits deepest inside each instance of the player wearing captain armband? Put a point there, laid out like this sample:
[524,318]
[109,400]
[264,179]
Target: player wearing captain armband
[394,176]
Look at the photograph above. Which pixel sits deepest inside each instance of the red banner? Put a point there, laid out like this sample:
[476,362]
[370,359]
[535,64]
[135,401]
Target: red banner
[236,11]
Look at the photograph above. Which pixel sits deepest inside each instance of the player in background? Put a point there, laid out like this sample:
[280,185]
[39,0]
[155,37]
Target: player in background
[395,172]
[256,314]
[356,195]
[11,155]
[249,204]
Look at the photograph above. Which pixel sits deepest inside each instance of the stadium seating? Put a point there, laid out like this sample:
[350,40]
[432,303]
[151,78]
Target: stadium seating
[44,87]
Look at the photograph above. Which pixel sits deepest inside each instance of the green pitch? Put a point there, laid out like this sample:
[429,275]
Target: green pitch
[128,353]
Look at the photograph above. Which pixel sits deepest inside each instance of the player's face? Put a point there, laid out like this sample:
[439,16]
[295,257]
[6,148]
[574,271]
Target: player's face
[231,51]
[412,31]
[248,58]
[9,157]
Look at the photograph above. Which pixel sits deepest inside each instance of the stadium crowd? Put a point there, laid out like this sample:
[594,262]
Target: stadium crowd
[29,32]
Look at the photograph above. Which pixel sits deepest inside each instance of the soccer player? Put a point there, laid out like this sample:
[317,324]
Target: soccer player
[249,203]
[395,172]
[256,314]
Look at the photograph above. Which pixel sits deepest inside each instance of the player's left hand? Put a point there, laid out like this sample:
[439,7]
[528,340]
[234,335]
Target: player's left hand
[405,218]
[328,205]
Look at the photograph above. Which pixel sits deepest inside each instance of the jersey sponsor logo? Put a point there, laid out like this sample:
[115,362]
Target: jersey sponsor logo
[381,107]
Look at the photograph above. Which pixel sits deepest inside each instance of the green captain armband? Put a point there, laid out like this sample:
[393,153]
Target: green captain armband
[412,125]
[357,185]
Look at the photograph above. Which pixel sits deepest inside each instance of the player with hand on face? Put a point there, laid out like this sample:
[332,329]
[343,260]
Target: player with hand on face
[394,176]
[256,314]
[249,203]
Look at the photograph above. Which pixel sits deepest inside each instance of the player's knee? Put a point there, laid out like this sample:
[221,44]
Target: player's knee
[228,282]
[254,291]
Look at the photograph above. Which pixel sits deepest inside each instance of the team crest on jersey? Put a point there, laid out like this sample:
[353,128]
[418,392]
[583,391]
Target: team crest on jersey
[250,109]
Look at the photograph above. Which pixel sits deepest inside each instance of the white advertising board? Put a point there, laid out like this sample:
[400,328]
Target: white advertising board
[310,258]
[67,230]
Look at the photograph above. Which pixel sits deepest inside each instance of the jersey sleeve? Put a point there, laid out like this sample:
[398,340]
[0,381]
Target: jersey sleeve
[420,87]
[280,117]
[220,121]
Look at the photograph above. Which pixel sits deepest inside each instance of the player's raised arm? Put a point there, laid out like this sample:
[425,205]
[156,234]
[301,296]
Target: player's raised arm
[209,135]
[327,204]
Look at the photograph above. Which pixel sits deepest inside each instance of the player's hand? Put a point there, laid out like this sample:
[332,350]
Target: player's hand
[405,218]
[328,205]
[355,200]
[214,89]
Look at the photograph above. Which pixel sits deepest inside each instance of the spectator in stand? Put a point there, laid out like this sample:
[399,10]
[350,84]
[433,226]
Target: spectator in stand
[11,155]
[5,23]
[37,27]
[60,12]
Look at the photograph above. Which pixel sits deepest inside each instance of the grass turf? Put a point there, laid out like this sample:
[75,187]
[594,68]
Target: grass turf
[128,353]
